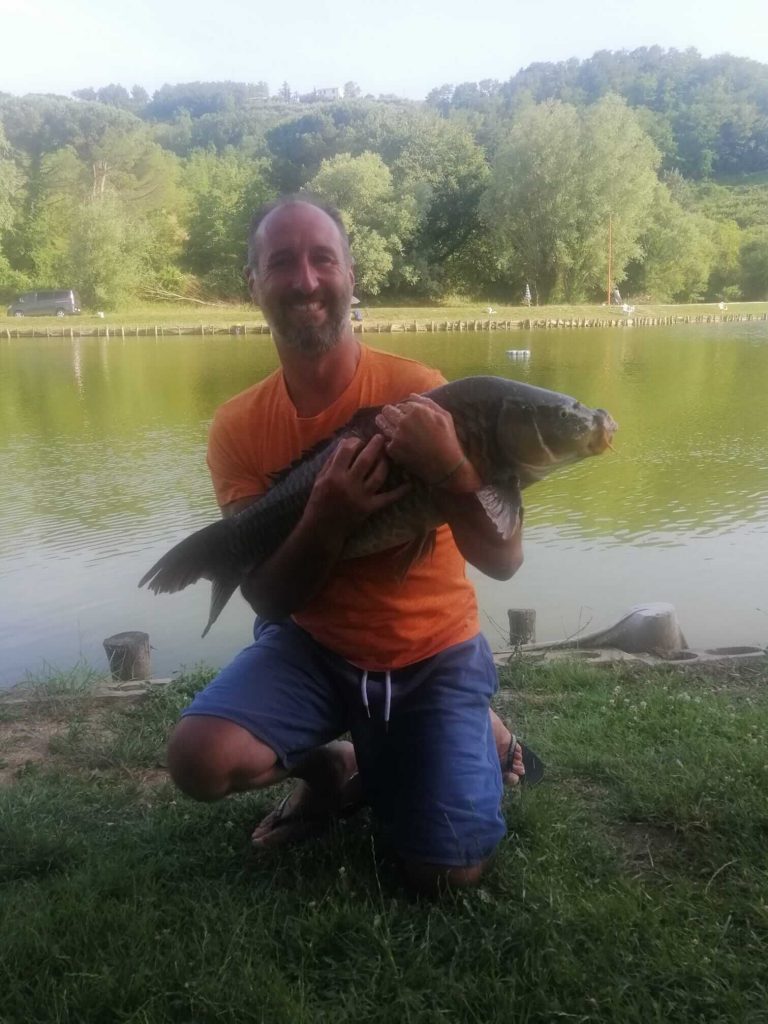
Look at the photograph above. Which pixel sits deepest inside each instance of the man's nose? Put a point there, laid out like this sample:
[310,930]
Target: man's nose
[305,276]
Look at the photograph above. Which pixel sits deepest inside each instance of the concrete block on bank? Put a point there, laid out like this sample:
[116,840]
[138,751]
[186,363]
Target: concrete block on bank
[648,634]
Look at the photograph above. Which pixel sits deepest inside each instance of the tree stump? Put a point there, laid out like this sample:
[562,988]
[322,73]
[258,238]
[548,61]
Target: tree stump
[522,626]
[128,655]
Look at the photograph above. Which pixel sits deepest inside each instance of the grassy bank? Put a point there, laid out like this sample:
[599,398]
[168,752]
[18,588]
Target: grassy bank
[169,315]
[633,884]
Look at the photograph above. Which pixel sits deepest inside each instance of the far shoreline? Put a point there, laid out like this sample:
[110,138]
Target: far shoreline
[164,320]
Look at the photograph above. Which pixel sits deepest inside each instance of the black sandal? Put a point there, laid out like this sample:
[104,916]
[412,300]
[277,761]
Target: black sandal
[534,766]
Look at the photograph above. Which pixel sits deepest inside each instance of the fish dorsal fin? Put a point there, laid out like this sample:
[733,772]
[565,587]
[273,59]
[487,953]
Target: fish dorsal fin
[362,423]
[502,506]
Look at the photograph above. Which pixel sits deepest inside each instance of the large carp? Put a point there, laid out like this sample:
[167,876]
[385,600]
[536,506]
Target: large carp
[513,433]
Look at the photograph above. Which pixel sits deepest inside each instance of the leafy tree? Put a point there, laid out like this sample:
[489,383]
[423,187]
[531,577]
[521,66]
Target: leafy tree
[105,254]
[298,148]
[706,115]
[445,170]
[10,184]
[299,145]
[724,278]
[561,177]
[677,253]
[378,221]
[36,125]
[225,190]
[200,98]
[440,98]
[139,97]
[105,224]
[351,90]
[754,266]
[11,188]
[114,96]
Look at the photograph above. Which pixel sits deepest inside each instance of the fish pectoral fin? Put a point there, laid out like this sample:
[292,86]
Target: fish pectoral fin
[221,591]
[503,506]
[412,552]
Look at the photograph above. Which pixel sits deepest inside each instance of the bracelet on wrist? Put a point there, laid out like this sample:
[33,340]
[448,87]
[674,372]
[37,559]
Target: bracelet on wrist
[450,473]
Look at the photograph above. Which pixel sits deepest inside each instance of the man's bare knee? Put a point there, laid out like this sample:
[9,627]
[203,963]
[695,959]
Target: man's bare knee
[209,757]
[432,879]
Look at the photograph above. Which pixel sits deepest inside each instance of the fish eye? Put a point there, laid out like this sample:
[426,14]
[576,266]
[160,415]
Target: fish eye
[563,414]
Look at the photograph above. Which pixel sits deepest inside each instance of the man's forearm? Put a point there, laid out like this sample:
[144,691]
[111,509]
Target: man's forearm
[296,572]
[477,537]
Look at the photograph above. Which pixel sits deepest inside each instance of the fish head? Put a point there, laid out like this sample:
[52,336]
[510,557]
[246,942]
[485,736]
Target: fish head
[541,431]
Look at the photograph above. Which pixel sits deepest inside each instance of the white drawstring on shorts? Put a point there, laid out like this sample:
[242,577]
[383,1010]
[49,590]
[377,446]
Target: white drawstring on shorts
[387,694]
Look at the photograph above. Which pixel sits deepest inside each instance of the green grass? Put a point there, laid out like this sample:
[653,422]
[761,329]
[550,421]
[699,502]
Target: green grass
[186,315]
[632,886]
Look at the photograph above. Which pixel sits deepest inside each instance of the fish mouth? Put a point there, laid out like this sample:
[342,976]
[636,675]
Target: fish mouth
[605,427]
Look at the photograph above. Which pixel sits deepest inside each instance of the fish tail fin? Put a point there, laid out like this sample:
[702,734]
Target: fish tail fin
[221,591]
[204,554]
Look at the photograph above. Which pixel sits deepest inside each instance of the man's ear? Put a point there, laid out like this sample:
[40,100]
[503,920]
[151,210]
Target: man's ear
[252,283]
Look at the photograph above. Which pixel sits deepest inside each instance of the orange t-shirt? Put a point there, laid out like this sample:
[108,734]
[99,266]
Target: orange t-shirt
[365,612]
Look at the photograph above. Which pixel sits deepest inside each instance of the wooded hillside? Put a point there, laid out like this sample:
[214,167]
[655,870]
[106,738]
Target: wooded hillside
[479,190]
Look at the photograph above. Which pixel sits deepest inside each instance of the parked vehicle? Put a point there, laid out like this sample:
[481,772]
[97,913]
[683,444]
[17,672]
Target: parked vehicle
[61,302]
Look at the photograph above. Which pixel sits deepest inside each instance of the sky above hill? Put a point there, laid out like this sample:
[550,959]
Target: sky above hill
[405,47]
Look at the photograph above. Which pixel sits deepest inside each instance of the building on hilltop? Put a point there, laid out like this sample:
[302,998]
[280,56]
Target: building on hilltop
[326,95]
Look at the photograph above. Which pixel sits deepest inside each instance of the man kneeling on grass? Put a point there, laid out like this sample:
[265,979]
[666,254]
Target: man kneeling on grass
[352,645]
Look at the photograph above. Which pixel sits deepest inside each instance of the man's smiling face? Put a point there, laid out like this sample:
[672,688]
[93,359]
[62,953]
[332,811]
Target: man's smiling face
[303,280]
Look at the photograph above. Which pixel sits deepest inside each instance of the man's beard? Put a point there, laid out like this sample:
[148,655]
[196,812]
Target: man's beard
[312,339]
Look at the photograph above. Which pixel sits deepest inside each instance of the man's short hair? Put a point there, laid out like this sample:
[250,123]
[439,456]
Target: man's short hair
[291,200]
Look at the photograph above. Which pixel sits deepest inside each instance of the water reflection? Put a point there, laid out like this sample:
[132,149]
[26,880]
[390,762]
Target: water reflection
[102,457]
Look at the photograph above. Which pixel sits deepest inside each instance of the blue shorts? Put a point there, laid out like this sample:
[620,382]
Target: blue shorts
[431,773]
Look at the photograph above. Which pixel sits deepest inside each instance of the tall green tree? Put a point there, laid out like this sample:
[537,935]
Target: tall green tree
[444,169]
[754,266]
[562,178]
[106,222]
[225,190]
[677,253]
[378,220]
[11,190]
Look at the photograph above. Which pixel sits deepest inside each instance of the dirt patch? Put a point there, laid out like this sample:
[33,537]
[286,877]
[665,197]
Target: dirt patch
[645,847]
[25,741]
[71,734]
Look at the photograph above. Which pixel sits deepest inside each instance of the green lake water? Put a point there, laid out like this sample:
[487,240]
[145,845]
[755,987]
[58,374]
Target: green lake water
[102,446]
